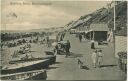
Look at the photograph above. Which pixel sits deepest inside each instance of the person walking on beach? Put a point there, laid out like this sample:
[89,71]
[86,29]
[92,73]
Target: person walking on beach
[47,41]
[94,58]
[100,58]
[80,37]
[67,48]
[84,36]
[55,44]
[92,45]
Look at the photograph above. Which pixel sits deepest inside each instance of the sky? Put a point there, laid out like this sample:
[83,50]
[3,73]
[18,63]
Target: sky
[39,14]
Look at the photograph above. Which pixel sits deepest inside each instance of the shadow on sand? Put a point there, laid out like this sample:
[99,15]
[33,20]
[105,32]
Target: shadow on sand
[58,62]
[73,55]
[85,67]
[52,67]
[107,66]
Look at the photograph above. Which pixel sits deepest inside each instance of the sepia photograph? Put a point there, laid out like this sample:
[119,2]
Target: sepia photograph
[63,40]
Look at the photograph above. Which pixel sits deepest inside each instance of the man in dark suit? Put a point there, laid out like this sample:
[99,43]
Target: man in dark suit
[80,37]
[67,48]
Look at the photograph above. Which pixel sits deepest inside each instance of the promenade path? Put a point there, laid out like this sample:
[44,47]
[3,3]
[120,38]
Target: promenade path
[68,69]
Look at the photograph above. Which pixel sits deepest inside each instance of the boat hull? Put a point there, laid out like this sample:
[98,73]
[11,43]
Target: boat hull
[41,65]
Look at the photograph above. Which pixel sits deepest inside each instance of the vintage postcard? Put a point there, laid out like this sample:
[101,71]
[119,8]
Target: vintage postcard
[63,40]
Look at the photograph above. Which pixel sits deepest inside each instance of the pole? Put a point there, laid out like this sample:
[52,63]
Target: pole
[114,28]
[90,35]
[93,34]
[114,18]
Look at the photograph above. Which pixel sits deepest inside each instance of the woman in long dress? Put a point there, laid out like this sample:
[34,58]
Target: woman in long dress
[94,58]
[100,58]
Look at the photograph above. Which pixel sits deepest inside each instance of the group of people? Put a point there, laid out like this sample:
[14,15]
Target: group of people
[97,58]
[66,47]
[97,55]
[24,49]
[81,36]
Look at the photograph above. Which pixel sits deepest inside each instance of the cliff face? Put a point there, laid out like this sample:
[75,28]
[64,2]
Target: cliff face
[106,15]
[121,19]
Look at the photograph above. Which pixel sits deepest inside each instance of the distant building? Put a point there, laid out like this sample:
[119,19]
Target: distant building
[82,29]
[98,32]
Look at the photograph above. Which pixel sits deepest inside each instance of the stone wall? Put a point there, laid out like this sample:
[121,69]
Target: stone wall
[120,44]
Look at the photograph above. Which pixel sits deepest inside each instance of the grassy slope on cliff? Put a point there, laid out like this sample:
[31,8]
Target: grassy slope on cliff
[105,15]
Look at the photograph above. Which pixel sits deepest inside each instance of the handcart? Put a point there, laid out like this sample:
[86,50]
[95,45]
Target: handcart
[61,47]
